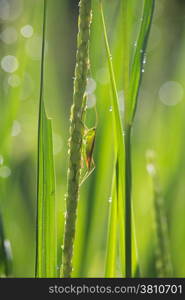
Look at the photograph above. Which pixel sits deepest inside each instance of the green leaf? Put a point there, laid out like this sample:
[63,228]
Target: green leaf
[46,244]
[46,218]
[119,140]
[139,58]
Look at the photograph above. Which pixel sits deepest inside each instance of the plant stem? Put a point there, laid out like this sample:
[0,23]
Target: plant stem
[76,135]
[128,204]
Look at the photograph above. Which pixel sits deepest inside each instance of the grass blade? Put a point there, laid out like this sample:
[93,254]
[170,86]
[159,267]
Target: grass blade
[131,90]
[139,58]
[46,252]
[119,137]
[130,109]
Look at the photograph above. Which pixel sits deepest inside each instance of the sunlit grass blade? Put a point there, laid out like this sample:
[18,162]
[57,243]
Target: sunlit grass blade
[139,58]
[136,71]
[116,114]
[110,267]
[163,261]
[46,245]
[5,253]
[46,239]
[119,137]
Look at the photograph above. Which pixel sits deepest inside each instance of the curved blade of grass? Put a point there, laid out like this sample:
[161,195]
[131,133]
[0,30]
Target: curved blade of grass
[139,58]
[110,267]
[119,137]
[46,248]
[130,109]
[162,252]
[5,253]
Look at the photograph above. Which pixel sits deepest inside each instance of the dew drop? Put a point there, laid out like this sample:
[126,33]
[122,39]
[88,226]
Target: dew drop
[144,59]
[110,200]
[110,108]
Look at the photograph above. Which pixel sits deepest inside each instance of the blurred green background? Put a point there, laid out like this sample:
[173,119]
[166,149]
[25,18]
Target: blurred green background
[159,126]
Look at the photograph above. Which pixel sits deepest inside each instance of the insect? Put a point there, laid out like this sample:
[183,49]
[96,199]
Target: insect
[87,151]
[89,141]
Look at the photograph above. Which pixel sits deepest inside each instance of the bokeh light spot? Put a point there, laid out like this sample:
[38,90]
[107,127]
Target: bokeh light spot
[9,63]
[171,93]
[27,31]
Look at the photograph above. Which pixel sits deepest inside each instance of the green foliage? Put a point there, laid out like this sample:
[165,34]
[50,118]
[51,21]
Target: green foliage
[119,143]
[131,88]
[155,108]
[46,247]
[137,66]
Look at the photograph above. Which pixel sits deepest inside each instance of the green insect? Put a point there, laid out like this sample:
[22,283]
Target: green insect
[87,151]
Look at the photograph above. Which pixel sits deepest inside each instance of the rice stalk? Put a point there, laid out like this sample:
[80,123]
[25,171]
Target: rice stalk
[76,135]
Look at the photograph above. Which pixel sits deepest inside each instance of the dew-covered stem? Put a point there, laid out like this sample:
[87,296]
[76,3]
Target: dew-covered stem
[76,135]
